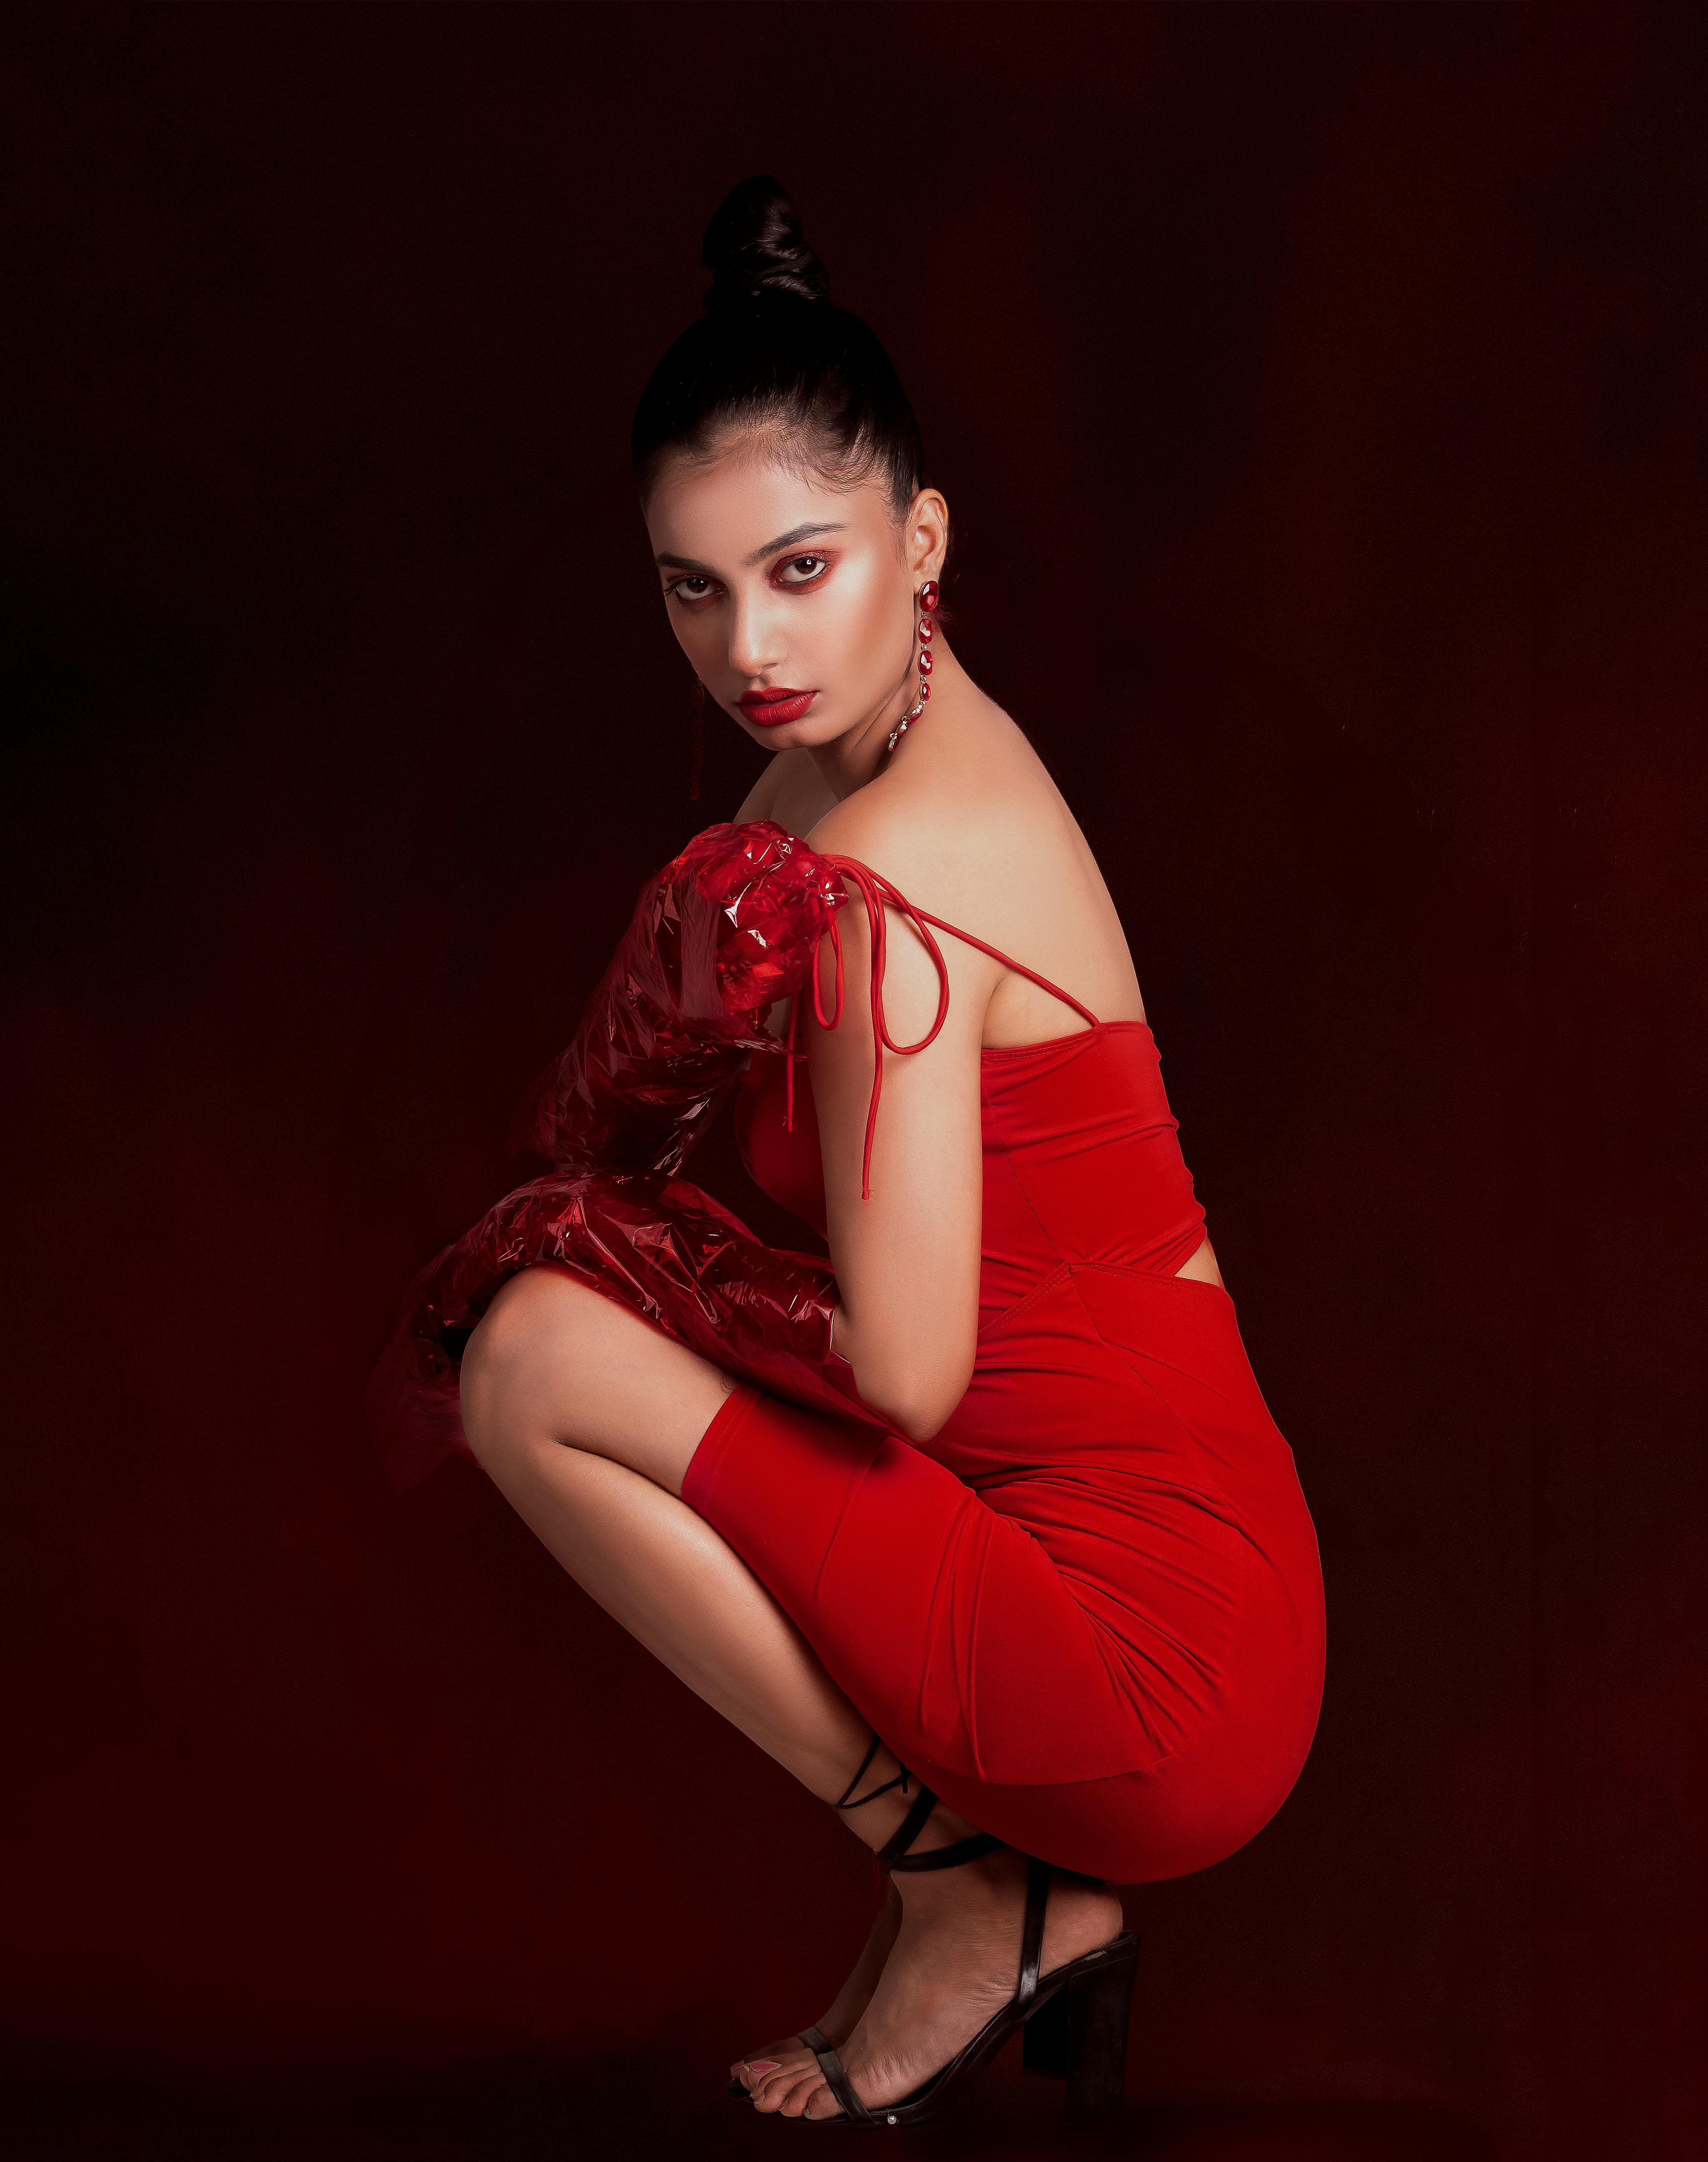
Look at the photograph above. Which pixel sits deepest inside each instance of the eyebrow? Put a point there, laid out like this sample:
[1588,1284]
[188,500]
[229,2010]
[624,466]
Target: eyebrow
[783,540]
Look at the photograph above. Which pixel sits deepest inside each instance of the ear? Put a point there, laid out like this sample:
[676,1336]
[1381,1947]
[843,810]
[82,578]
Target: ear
[925,534]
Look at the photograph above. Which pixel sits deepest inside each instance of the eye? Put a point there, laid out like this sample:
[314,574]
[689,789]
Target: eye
[803,570]
[689,590]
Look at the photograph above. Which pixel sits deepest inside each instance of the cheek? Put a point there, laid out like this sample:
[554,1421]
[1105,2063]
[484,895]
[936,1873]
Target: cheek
[693,633]
[857,629]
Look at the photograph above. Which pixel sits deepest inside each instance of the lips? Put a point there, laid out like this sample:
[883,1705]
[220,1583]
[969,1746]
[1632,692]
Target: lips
[776,708]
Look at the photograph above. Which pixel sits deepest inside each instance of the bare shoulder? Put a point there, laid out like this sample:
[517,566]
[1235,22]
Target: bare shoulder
[940,843]
[974,830]
[948,827]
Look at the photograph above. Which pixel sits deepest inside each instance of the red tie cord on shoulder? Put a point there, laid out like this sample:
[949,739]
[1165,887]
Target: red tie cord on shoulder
[876,891]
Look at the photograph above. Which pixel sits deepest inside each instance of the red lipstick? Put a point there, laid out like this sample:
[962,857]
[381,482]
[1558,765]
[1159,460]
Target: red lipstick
[773,709]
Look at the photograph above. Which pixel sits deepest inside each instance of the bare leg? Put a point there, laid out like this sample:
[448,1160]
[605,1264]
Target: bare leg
[586,1419]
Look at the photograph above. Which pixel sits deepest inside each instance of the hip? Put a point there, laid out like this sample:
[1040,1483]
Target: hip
[1124,1388]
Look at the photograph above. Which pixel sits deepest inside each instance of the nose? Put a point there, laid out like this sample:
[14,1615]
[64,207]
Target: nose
[756,645]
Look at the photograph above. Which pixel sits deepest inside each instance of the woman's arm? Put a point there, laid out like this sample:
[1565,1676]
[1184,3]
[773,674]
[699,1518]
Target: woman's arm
[906,1259]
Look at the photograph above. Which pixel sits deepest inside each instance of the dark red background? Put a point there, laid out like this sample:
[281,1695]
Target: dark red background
[1319,394]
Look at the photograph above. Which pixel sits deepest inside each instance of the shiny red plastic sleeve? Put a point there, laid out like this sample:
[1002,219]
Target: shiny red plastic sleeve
[655,1244]
[728,927]
[724,930]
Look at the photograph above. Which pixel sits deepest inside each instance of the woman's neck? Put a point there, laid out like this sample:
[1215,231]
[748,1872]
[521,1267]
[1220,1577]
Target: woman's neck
[863,752]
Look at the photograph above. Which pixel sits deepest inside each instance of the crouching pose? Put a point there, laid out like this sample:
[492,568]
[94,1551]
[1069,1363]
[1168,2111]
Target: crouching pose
[979,1526]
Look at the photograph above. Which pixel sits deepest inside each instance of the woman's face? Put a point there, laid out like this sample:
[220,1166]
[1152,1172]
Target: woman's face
[793,601]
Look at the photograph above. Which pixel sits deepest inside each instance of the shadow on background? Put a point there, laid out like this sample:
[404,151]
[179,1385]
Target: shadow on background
[1319,392]
[638,2104]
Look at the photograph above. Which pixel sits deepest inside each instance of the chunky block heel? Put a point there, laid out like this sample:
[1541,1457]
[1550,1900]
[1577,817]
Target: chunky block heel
[1097,2008]
[1079,2033]
[1045,2040]
[1073,2020]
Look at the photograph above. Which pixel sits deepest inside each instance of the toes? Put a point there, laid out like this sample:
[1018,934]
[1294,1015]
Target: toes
[822,2103]
[769,2055]
[806,2091]
[771,2090]
[777,2060]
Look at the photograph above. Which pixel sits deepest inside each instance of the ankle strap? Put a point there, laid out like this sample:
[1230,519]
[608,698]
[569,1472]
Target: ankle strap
[900,1780]
[894,1857]
[951,1857]
[909,1829]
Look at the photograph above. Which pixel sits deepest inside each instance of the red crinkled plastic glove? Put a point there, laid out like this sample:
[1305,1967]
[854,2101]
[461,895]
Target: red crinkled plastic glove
[726,928]
[655,1244]
[722,931]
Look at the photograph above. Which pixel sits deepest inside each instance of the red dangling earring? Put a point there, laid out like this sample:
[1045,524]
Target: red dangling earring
[926,631]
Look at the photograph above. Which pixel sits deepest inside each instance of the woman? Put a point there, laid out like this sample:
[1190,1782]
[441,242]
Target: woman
[981,1528]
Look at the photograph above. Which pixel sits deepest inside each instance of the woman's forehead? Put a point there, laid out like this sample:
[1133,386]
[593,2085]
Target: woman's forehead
[746,499]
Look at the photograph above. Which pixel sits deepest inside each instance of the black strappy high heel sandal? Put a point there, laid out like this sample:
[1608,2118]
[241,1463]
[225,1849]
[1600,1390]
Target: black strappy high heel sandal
[843,1802]
[1075,2018]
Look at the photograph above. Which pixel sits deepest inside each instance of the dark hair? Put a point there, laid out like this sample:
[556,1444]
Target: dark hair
[771,354]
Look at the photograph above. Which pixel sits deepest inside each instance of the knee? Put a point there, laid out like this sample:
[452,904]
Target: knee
[505,1362]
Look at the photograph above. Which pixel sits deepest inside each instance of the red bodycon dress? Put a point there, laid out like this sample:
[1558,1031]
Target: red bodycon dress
[1088,1611]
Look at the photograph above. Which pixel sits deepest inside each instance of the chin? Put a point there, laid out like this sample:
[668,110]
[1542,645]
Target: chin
[808,735]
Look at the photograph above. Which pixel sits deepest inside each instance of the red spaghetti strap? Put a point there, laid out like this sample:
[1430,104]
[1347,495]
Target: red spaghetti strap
[877,893]
[830,1020]
[825,1020]
[1019,968]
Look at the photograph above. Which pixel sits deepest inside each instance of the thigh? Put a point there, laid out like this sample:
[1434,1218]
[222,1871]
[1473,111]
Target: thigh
[556,1362]
[948,1626]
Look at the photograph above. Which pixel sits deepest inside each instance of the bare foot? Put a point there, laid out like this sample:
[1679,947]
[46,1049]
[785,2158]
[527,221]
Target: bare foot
[791,2054]
[955,1963]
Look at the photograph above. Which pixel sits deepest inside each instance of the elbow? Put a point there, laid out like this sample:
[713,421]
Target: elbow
[916,1402]
[919,1423]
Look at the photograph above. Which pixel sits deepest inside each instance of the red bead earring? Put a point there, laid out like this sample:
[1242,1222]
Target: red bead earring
[925,631]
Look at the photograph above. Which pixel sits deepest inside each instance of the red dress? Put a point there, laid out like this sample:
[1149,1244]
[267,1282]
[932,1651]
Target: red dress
[1088,1611]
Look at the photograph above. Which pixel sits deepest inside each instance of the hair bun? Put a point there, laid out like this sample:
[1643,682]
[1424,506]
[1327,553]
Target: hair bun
[755,245]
